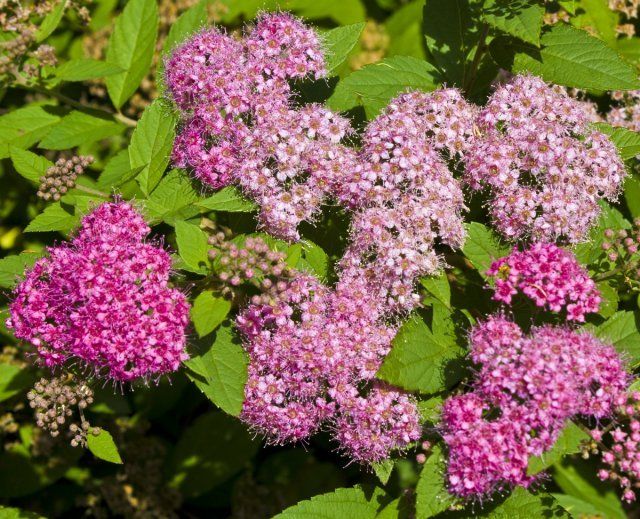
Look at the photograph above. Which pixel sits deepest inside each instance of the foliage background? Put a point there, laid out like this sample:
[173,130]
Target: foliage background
[181,455]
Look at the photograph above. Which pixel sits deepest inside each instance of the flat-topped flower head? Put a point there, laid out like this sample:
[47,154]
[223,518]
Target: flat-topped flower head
[550,276]
[103,300]
[543,167]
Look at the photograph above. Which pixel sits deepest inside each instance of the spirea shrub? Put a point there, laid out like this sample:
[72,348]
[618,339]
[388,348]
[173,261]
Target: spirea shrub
[254,277]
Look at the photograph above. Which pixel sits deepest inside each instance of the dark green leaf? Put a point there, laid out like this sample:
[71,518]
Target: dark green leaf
[54,218]
[208,312]
[83,69]
[374,85]
[338,44]
[521,503]
[610,299]
[80,128]
[419,360]
[151,144]
[483,247]
[14,380]
[404,28]
[632,195]
[30,165]
[340,504]
[174,199]
[520,18]
[228,199]
[569,57]
[212,450]
[131,48]
[24,127]
[192,244]
[220,372]
[431,493]
[621,331]
[13,267]
[627,142]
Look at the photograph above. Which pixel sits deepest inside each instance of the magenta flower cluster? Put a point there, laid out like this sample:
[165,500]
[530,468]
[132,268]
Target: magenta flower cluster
[622,459]
[526,389]
[543,167]
[103,300]
[550,276]
[314,354]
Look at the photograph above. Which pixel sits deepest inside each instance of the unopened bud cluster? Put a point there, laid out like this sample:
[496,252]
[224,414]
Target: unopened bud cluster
[254,263]
[620,258]
[62,176]
[55,402]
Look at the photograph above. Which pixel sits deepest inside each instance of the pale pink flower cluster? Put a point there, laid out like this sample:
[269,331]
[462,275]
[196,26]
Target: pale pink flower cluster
[550,276]
[240,126]
[526,389]
[627,113]
[543,167]
[103,300]
[405,198]
[312,353]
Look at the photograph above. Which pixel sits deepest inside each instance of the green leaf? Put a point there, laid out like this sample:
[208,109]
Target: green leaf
[16,513]
[430,409]
[340,504]
[627,141]
[131,47]
[188,23]
[192,245]
[220,372]
[80,128]
[589,251]
[569,57]
[14,380]
[173,199]
[569,442]
[632,195]
[610,299]
[483,247]
[51,21]
[338,43]
[521,18]
[374,85]
[228,199]
[30,165]
[24,127]
[596,15]
[451,37]
[439,288]
[432,497]
[621,331]
[404,28]
[576,506]
[118,171]
[521,503]
[419,360]
[84,69]
[316,258]
[211,451]
[629,49]
[208,312]
[102,446]
[578,479]
[54,218]
[383,470]
[13,267]
[151,144]
[344,12]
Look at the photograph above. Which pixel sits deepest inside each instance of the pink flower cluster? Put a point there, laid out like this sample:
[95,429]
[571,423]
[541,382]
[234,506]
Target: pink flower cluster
[627,114]
[103,299]
[313,351]
[405,198]
[525,390]
[623,458]
[544,169]
[239,125]
[550,276]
